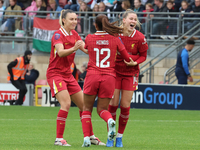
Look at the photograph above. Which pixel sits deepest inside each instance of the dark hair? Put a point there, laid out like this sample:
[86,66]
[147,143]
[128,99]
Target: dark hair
[170,1]
[2,1]
[191,42]
[103,24]
[63,14]
[27,52]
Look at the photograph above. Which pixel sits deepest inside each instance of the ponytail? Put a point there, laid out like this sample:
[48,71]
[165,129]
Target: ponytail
[103,24]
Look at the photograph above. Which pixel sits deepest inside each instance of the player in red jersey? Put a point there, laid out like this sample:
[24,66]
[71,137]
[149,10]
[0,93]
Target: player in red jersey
[65,42]
[126,73]
[100,79]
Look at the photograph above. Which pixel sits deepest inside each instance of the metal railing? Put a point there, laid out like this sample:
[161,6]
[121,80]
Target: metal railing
[170,76]
[150,64]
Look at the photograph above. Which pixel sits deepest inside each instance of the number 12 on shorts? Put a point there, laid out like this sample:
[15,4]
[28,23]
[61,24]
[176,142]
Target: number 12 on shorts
[100,63]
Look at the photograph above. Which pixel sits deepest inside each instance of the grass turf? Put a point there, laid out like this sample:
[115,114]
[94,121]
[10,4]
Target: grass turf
[34,128]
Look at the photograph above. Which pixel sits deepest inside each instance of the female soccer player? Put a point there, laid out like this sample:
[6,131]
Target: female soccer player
[100,79]
[65,42]
[127,74]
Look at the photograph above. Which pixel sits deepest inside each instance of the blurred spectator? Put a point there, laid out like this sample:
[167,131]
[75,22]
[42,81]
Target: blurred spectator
[185,9]
[149,8]
[84,71]
[54,7]
[73,5]
[95,10]
[1,8]
[182,65]
[138,7]
[117,5]
[83,8]
[171,29]
[37,6]
[196,9]
[126,5]
[159,24]
[104,8]
[74,71]
[13,20]
[31,75]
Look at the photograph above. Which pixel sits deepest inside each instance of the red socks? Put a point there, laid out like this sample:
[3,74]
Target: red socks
[91,129]
[123,119]
[112,110]
[86,123]
[61,118]
[105,115]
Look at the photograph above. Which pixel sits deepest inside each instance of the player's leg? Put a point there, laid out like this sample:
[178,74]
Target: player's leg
[112,108]
[59,90]
[105,94]
[129,84]
[102,110]
[77,97]
[86,118]
[115,100]
[64,99]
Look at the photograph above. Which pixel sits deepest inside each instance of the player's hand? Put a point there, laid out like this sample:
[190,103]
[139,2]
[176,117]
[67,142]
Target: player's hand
[190,79]
[131,63]
[77,45]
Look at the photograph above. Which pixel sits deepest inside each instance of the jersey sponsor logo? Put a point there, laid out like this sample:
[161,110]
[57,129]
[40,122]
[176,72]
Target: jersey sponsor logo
[102,42]
[66,43]
[145,41]
[132,46]
[57,36]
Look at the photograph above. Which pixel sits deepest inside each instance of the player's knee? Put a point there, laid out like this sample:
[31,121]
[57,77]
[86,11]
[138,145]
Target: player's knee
[65,105]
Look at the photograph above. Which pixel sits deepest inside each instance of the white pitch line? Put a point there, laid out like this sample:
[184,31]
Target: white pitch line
[102,120]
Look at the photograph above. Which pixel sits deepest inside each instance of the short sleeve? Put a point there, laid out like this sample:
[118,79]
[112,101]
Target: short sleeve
[56,39]
[143,44]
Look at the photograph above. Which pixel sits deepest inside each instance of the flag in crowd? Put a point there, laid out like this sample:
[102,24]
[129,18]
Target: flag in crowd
[43,30]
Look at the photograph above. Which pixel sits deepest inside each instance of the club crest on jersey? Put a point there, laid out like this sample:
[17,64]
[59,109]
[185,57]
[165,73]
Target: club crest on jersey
[145,41]
[132,46]
[57,36]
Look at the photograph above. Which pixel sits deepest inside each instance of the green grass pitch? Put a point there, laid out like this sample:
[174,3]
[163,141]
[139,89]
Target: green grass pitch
[34,128]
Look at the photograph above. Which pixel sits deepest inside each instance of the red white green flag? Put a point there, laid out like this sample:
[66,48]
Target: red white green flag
[43,30]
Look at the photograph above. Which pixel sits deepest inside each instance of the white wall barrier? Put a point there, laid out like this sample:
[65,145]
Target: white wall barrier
[9,92]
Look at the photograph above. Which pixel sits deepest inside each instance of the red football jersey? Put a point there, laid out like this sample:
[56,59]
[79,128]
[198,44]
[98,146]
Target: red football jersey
[102,49]
[61,65]
[135,44]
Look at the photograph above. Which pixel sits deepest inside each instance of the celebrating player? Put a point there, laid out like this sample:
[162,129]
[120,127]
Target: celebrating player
[126,73]
[100,79]
[65,42]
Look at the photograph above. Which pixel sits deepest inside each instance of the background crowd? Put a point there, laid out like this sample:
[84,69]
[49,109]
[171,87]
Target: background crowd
[159,27]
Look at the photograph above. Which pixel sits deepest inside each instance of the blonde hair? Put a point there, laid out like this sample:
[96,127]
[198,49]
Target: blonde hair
[52,1]
[125,14]
[63,14]
[94,14]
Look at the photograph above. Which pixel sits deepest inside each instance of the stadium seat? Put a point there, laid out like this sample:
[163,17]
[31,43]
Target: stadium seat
[41,82]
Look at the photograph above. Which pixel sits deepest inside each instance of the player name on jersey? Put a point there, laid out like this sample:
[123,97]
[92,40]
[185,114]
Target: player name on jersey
[102,42]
